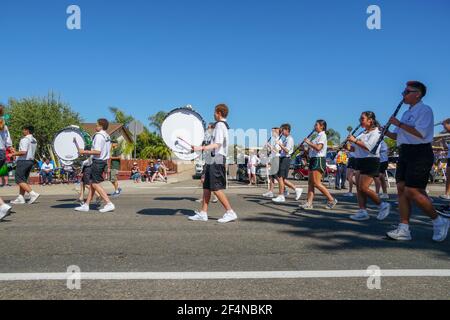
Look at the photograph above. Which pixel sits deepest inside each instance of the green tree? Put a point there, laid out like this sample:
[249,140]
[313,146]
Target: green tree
[334,137]
[150,145]
[156,120]
[392,145]
[48,115]
[120,116]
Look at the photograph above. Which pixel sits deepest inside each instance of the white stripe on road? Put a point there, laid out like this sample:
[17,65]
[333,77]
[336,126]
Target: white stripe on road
[224,275]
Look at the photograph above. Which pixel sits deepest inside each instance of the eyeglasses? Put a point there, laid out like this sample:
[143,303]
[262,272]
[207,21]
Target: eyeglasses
[406,92]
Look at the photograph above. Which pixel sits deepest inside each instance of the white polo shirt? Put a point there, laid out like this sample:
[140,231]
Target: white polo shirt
[102,143]
[220,135]
[370,139]
[421,118]
[28,144]
[5,139]
[320,139]
[288,143]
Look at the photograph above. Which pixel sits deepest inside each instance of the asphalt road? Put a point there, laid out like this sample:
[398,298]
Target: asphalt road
[149,232]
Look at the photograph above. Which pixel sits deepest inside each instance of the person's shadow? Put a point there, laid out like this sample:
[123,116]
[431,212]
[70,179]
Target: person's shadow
[165,212]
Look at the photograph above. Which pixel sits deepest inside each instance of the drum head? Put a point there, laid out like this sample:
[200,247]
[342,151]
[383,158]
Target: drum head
[182,128]
[66,163]
[64,145]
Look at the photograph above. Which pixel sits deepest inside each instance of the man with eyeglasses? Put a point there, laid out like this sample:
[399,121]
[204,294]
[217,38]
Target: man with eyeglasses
[414,134]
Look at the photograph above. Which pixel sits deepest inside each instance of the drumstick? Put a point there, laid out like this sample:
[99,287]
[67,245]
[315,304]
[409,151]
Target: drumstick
[179,138]
[76,143]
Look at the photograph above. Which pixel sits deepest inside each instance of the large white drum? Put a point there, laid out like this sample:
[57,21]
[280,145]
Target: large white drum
[68,140]
[181,129]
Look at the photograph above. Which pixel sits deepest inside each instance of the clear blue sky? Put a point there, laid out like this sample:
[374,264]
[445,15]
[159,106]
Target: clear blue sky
[272,61]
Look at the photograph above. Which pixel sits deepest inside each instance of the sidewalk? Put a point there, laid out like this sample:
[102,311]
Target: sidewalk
[72,189]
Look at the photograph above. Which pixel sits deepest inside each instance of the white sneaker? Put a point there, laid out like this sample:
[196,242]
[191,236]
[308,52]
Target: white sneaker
[228,217]
[4,211]
[445,197]
[83,208]
[268,195]
[214,200]
[306,206]
[400,234]
[279,199]
[384,196]
[332,204]
[385,209]
[361,215]
[199,216]
[19,200]
[348,194]
[33,197]
[298,193]
[440,229]
[108,208]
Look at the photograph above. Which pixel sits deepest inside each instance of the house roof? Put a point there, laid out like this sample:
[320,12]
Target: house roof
[113,128]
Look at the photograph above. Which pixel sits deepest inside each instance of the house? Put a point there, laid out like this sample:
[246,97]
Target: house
[117,132]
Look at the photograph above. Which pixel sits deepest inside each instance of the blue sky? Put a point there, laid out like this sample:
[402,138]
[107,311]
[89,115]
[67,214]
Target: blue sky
[272,61]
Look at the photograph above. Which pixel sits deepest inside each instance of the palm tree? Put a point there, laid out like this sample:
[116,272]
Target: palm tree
[120,116]
[156,120]
[334,137]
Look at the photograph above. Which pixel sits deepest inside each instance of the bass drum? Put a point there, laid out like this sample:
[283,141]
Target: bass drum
[68,140]
[181,129]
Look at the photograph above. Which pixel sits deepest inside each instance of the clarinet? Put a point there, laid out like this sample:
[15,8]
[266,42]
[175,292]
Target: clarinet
[386,128]
[352,134]
[301,144]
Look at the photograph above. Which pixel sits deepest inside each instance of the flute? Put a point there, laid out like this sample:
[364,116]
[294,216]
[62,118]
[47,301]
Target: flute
[386,128]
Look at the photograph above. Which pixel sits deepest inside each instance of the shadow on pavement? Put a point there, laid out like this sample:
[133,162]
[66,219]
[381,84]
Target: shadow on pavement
[337,232]
[175,198]
[165,212]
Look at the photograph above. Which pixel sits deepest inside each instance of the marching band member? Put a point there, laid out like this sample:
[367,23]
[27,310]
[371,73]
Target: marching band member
[446,196]
[351,171]
[101,153]
[414,135]
[318,166]
[274,161]
[286,145]
[380,181]
[215,170]
[368,165]
[5,142]
[25,163]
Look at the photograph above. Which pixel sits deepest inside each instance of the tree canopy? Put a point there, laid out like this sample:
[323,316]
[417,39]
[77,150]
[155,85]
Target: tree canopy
[48,115]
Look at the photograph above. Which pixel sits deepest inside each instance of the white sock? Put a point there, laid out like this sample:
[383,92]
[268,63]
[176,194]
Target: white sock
[404,226]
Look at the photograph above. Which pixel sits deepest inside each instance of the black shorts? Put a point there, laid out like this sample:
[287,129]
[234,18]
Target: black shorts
[369,166]
[351,163]
[318,164]
[2,158]
[414,165]
[86,175]
[283,171]
[384,166]
[98,168]
[23,170]
[215,177]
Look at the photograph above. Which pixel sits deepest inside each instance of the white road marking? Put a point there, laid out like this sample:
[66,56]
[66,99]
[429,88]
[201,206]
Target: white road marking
[223,275]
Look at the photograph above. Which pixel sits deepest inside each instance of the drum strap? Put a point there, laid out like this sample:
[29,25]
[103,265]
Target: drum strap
[105,136]
[224,122]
